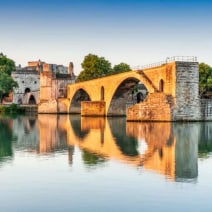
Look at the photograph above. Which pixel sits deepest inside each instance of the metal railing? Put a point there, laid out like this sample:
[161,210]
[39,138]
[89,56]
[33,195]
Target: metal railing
[168,60]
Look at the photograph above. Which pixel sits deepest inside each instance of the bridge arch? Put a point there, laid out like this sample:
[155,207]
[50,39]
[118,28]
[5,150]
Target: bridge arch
[123,95]
[75,101]
[104,89]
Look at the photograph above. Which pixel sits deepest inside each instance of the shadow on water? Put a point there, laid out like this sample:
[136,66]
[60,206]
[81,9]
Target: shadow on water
[127,144]
[171,149]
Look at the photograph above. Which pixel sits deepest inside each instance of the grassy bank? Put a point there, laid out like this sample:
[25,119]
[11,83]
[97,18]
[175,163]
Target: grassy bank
[11,109]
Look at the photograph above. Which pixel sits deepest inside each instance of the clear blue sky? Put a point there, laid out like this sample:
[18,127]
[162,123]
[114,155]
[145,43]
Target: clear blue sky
[133,31]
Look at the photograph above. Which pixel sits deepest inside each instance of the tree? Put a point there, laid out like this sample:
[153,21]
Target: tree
[6,65]
[6,81]
[93,67]
[205,77]
[7,84]
[121,67]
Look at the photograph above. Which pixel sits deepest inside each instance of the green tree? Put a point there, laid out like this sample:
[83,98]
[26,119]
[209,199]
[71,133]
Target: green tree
[121,67]
[6,65]
[7,84]
[93,67]
[205,77]
[92,159]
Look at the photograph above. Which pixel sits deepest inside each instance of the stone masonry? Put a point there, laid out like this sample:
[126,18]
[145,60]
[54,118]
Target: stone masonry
[187,92]
[181,105]
[156,107]
[28,87]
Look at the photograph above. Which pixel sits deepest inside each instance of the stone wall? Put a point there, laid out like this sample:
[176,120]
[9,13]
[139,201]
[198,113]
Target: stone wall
[53,93]
[187,92]
[156,107]
[29,85]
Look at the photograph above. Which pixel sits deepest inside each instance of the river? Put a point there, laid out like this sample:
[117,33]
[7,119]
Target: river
[69,163]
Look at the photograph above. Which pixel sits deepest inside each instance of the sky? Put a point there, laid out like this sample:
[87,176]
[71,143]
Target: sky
[135,32]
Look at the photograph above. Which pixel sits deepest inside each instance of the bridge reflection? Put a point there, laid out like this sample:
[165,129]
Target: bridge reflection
[166,148]
[170,149]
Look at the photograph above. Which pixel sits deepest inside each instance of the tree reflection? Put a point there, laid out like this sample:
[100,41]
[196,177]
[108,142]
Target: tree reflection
[6,151]
[91,159]
[205,141]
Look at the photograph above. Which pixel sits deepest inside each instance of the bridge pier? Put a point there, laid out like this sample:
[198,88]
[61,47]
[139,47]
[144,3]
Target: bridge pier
[93,108]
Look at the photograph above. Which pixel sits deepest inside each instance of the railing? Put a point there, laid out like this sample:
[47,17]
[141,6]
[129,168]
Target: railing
[168,60]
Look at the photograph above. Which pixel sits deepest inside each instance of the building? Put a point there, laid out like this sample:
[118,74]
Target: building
[28,79]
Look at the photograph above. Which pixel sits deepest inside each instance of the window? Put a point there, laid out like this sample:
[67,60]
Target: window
[161,85]
[102,93]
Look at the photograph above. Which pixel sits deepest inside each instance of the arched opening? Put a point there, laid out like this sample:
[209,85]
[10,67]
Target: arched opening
[75,106]
[27,90]
[126,95]
[61,91]
[32,100]
[102,93]
[161,85]
[139,92]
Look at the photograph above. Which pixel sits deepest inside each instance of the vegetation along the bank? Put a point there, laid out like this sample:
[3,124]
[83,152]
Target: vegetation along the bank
[11,109]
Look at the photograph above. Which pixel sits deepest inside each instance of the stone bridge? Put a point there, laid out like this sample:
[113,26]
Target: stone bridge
[172,89]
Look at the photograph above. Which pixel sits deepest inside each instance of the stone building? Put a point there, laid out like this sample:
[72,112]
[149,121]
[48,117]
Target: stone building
[28,86]
[28,79]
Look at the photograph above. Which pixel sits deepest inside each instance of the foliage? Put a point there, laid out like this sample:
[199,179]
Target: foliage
[6,81]
[5,141]
[121,67]
[95,66]
[6,85]
[11,109]
[91,158]
[6,65]
[204,146]
[205,77]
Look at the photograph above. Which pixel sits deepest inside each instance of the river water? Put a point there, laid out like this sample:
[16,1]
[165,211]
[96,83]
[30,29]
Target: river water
[69,163]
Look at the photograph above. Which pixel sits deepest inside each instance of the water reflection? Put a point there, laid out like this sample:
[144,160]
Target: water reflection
[171,149]
[27,133]
[6,138]
[205,140]
[53,133]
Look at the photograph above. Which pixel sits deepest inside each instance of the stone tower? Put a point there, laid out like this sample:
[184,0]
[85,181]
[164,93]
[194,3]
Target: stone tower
[71,69]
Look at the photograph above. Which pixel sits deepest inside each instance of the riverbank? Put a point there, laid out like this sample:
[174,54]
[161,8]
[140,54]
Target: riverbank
[18,109]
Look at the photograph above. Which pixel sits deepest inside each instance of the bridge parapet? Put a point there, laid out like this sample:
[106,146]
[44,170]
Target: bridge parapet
[168,60]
